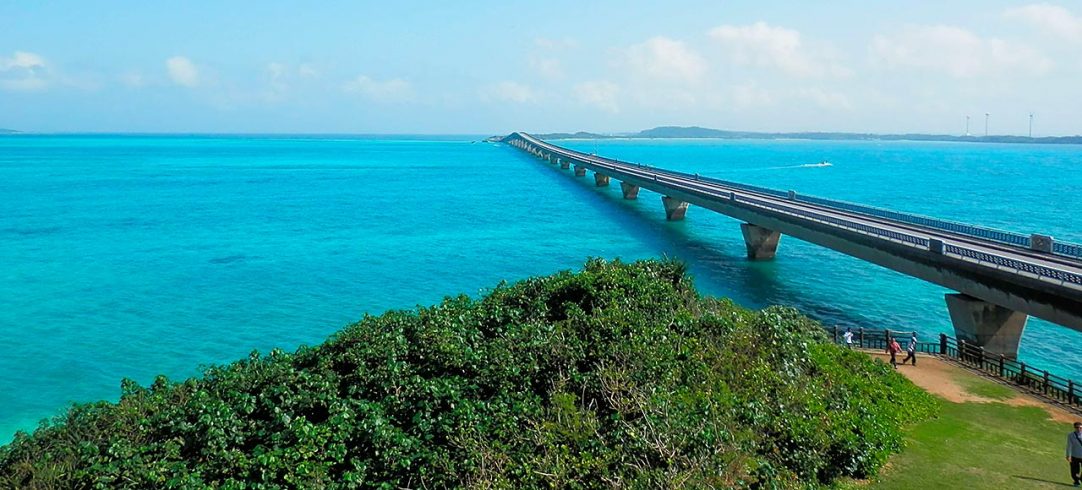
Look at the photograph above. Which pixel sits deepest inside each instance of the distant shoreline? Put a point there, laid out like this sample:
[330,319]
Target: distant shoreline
[674,132]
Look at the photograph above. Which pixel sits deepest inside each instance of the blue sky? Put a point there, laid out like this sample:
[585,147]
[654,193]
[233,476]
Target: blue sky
[498,66]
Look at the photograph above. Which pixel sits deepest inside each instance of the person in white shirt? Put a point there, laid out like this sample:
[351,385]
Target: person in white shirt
[911,351]
[848,336]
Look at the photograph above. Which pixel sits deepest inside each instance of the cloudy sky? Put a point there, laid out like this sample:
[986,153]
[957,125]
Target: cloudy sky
[498,66]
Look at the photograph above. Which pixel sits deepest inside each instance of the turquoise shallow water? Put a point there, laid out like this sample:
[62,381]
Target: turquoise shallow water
[132,256]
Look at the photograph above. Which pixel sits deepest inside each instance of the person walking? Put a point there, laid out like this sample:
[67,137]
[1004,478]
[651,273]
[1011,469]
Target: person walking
[848,336]
[893,348]
[1074,453]
[911,351]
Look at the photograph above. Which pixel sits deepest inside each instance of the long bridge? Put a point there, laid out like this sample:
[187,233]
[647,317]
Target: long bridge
[1000,277]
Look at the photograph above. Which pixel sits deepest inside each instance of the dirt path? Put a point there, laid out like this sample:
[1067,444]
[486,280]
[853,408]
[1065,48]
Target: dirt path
[941,378]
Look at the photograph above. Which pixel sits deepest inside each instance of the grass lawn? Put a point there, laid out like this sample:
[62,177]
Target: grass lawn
[981,387]
[981,445]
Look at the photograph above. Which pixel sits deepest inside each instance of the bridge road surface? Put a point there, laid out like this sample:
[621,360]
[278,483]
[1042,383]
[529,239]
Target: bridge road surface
[1000,283]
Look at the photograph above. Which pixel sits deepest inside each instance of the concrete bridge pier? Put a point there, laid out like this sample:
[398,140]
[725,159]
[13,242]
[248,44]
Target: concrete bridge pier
[565,164]
[762,243]
[580,171]
[631,191]
[675,209]
[601,180]
[988,325]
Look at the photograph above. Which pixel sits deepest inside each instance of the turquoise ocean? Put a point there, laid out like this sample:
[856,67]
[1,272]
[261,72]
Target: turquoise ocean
[132,256]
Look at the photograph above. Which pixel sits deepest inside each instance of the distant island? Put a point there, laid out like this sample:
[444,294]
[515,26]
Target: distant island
[7,131]
[699,132]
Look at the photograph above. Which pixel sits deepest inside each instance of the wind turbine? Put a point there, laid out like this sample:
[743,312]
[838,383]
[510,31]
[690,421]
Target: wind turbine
[967,125]
[986,124]
[1031,125]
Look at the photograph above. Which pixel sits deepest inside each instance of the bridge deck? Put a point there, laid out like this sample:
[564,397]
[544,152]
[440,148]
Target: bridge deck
[1026,272]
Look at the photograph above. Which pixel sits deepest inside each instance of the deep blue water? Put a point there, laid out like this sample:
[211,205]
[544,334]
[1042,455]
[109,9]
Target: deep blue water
[132,256]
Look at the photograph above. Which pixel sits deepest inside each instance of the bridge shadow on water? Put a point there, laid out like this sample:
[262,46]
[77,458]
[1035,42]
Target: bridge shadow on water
[720,269]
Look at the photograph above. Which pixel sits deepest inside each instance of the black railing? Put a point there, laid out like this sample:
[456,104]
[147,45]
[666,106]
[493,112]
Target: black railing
[1052,386]
[869,338]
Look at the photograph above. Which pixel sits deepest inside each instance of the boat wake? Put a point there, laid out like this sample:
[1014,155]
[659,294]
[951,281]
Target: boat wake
[806,165]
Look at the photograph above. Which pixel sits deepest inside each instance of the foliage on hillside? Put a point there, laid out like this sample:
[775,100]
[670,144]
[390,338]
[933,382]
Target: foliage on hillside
[619,375]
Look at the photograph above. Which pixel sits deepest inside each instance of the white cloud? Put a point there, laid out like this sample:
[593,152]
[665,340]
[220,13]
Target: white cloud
[22,60]
[825,99]
[132,78]
[766,46]
[23,72]
[182,71]
[550,68]
[954,51]
[392,90]
[307,70]
[600,94]
[751,95]
[509,92]
[666,59]
[27,84]
[1052,19]
[276,70]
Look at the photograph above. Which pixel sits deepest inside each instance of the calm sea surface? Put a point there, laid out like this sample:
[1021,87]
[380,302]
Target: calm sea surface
[132,256]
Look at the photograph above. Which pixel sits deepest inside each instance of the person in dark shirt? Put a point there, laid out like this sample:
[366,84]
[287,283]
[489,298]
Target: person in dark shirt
[1074,453]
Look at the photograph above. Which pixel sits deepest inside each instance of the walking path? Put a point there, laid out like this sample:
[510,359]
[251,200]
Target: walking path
[945,379]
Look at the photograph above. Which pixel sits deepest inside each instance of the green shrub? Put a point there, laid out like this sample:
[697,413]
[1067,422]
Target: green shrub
[619,375]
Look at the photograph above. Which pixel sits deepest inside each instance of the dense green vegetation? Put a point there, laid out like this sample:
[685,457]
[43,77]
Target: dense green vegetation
[619,375]
[982,445]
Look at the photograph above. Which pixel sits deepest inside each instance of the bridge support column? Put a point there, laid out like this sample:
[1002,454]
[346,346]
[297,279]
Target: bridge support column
[675,209]
[630,191]
[601,180]
[762,243]
[580,171]
[565,164]
[991,326]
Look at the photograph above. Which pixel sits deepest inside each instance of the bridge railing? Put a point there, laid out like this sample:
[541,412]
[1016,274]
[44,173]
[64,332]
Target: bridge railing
[1040,270]
[1039,381]
[1001,236]
[869,229]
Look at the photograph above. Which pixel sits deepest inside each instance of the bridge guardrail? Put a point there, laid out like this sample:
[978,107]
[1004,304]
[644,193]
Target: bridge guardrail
[1007,237]
[1039,270]
[1068,249]
[915,240]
